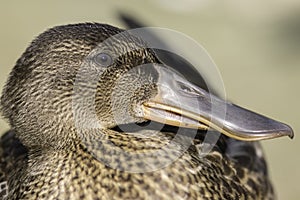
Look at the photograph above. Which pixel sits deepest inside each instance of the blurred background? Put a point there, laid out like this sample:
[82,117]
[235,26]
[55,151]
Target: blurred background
[255,44]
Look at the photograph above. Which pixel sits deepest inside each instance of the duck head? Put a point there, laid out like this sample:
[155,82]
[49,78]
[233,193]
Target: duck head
[82,75]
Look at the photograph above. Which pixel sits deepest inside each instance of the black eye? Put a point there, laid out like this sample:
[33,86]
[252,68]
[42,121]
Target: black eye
[103,59]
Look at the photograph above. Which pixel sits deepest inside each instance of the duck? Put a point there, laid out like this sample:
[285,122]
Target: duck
[95,114]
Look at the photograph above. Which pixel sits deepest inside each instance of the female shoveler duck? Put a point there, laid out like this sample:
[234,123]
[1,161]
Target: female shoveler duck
[100,118]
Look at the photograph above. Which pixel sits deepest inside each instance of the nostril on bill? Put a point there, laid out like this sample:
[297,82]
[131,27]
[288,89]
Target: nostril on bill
[188,89]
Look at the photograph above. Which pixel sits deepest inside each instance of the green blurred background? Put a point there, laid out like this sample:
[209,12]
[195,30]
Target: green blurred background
[255,44]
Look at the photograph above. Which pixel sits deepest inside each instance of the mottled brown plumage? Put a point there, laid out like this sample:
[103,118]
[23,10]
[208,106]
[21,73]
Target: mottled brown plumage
[46,156]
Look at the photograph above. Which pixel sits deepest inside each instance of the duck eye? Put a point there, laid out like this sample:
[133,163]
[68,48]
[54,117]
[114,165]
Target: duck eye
[103,59]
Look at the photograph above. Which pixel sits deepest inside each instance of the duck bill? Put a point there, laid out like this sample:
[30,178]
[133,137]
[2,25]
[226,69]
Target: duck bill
[183,104]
